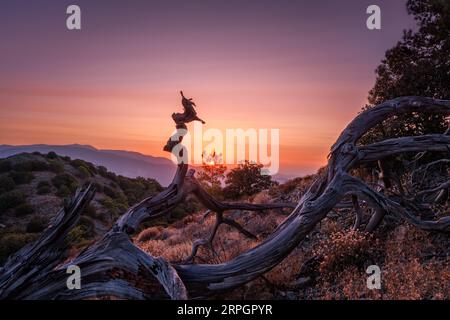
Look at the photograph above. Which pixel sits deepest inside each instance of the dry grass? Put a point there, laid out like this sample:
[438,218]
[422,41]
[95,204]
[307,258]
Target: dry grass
[414,263]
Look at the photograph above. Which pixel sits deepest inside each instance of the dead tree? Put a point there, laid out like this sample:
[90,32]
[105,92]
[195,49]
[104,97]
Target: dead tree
[114,266]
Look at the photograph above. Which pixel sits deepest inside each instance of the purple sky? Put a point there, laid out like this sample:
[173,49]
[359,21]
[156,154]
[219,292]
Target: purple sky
[302,66]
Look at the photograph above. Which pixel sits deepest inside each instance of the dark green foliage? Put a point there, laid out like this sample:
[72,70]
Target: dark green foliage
[21,177]
[52,155]
[83,172]
[139,188]
[30,165]
[115,207]
[37,224]
[5,166]
[63,192]
[183,209]
[78,163]
[246,180]
[24,209]
[418,65]
[6,184]
[12,242]
[11,200]
[43,187]
[81,234]
[121,192]
[110,192]
[102,171]
[64,179]
[55,166]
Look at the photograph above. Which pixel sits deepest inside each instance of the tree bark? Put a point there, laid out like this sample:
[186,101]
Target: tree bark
[114,266]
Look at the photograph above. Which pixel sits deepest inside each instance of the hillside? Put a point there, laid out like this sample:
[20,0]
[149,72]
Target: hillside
[330,264]
[126,163]
[33,188]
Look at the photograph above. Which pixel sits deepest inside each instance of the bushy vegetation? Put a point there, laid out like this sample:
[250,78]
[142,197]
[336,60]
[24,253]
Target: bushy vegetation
[246,180]
[6,184]
[54,177]
[5,165]
[11,241]
[37,224]
[243,181]
[331,264]
[416,66]
[24,209]
[11,200]
[65,184]
[21,177]
[43,187]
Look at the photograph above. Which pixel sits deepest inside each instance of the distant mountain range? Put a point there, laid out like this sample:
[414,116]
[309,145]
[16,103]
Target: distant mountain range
[126,163]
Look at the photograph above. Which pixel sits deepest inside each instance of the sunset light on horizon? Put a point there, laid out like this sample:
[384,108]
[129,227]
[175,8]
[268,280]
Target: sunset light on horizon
[302,67]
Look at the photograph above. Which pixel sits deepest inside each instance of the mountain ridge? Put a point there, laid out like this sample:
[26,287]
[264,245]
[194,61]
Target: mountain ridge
[127,163]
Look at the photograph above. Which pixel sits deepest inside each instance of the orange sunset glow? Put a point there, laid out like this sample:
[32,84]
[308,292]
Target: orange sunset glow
[115,83]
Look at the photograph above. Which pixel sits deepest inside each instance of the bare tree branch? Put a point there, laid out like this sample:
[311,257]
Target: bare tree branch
[114,266]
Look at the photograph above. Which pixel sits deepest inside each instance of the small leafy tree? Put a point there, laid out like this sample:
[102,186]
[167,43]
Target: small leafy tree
[212,174]
[246,180]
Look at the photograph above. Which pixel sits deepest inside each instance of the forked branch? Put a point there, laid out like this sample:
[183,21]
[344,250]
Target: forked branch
[114,266]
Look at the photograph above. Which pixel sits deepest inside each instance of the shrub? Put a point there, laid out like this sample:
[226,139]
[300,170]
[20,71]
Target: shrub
[65,183]
[77,163]
[110,192]
[52,155]
[83,173]
[113,205]
[246,180]
[30,165]
[12,242]
[5,166]
[43,187]
[55,166]
[102,171]
[149,234]
[37,165]
[11,200]
[343,248]
[24,209]
[37,224]
[81,234]
[21,177]
[63,192]
[64,179]
[6,184]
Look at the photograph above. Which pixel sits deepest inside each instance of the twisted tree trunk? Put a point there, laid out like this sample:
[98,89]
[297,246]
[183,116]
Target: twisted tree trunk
[114,266]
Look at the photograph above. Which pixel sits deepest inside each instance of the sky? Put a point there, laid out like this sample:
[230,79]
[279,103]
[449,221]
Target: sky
[303,67]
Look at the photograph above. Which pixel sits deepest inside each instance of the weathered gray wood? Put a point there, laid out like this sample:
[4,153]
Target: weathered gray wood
[114,266]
